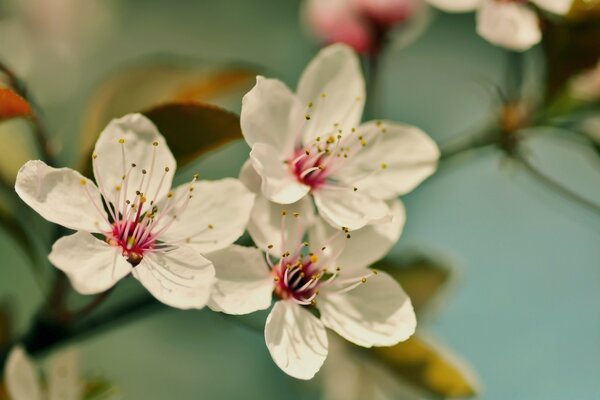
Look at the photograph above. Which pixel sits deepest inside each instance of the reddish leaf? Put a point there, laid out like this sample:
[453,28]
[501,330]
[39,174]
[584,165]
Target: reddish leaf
[12,105]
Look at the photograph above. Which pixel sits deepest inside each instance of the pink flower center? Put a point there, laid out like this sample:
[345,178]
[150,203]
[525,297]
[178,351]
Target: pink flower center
[298,276]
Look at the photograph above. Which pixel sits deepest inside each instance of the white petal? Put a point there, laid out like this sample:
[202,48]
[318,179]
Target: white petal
[216,216]
[249,177]
[63,376]
[92,265]
[278,182]
[266,221]
[366,245]
[455,5]
[139,135]
[243,281]
[395,160]
[180,278]
[59,196]
[343,207]
[560,7]
[510,25]
[376,313]
[334,84]
[296,339]
[271,114]
[21,376]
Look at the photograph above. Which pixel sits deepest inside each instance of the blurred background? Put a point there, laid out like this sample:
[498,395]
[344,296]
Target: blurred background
[521,305]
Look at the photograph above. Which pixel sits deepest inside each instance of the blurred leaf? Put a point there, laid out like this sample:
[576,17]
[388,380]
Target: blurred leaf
[12,105]
[150,83]
[570,47]
[424,365]
[5,324]
[18,147]
[192,129]
[584,10]
[421,279]
[96,389]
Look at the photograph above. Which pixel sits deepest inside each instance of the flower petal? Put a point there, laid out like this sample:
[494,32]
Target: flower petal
[296,339]
[366,245]
[510,25]
[63,376]
[271,114]
[333,85]
[560,7]
[143,146]
[180,278]
[376,313]
[456,5]
[215,217]
[21,376]
[342,207]
[243,282]
[395,160]
[92,265]
[278,182]
[249,177]
[266,222]
[62,196]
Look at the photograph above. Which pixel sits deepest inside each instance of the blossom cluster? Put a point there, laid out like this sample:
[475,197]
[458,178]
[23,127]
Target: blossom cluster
[318,196]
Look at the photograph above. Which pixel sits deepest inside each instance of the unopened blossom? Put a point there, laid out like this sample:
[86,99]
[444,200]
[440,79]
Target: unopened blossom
[62,378]
[318,274]
[361,24]
[586,85]
[132,222]
[512,24]
[312,144]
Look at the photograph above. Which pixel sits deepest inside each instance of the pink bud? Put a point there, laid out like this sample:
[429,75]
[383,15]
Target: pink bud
[387,12]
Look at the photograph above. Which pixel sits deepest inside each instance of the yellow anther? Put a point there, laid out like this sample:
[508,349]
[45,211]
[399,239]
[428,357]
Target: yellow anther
[313,302]
[170,195]
[305,244]
[314,259]
[318,138]
[144,171]
[307,117]
[118,187]
[211,226]
[296,214]
[133,165]
[383,165]
[167,169]
[154,144]
[270,246]
[310,104]
[323,95]
[363,280]
[191,188]
[378,123]
[276,279]
[353,129]
[283,213]
[82,182]
[375,272]
[196,176]
[94,156]
[142,199]
[348,236]
[355,189]
[121,140]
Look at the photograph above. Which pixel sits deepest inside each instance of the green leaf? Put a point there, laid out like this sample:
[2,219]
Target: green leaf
[152,82]
[427,367]
[193,128]
[18,147]
[420,278]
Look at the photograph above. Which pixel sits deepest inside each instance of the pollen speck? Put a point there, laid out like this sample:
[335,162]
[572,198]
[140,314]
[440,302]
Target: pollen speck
[121,141]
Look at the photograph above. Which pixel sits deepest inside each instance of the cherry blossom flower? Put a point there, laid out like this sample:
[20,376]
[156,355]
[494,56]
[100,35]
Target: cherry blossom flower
[312,144]
[361,24]
[132,222]
[512,24]
[320,283]
[63,381]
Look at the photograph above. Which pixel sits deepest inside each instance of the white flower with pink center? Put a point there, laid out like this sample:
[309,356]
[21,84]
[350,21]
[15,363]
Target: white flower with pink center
[319,283]
[512,24]
[132,222]
[311,143]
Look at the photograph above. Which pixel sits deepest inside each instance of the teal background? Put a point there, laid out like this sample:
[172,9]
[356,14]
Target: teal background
[523,307]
